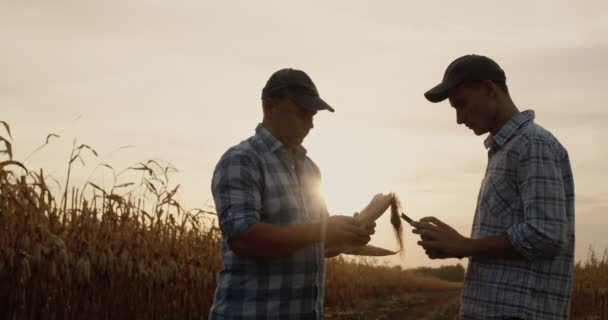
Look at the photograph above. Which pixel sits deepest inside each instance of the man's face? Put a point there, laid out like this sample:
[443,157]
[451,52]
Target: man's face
[474,107]
[290,121]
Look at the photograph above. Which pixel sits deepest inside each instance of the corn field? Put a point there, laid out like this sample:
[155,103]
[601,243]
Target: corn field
[99,253]
[106,258]
[590,292]
[104,254]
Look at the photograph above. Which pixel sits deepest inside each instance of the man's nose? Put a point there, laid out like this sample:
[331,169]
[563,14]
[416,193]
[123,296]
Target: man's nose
[310,123]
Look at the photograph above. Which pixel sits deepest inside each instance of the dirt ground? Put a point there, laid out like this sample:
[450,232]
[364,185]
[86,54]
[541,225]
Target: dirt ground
[420,306]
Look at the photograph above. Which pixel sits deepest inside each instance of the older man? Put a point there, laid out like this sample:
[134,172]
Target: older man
[276,230]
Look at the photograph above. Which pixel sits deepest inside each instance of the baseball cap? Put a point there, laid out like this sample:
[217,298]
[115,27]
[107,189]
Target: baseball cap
[469,68]
[296,84]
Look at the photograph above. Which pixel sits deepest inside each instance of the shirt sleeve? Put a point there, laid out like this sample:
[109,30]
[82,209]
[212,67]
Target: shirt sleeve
[542,192]
[237,192]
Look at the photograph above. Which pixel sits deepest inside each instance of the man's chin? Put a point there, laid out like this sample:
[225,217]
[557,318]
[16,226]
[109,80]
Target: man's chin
[296,143]
[480,132]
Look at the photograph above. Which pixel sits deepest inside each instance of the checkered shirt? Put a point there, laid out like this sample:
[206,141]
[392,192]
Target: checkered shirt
[527,193]
[255,182]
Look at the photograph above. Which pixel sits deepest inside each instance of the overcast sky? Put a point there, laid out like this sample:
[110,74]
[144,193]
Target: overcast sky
[181,81]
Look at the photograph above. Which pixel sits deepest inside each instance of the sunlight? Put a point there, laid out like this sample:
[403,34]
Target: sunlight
[350,178]
[346,190]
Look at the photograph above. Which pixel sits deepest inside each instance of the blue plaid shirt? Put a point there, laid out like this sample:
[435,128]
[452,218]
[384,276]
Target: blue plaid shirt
[255,182]
[527,193]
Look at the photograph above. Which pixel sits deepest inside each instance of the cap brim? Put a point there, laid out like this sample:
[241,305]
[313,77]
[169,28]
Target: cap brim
[312,102]
[439,92]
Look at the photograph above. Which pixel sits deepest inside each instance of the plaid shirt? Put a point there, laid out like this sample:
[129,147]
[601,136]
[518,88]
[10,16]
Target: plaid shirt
[255,182]
[527,193]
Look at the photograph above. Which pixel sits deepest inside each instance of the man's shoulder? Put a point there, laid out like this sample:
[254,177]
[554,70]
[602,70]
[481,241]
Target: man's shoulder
[237,161]
[245,151]
[534,136]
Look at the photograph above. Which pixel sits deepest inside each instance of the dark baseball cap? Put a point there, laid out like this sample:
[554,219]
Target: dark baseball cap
[469,68]
[296,84]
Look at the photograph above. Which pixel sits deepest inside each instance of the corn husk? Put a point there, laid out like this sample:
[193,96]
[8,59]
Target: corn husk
[368,250]
[376,207]
[374,210]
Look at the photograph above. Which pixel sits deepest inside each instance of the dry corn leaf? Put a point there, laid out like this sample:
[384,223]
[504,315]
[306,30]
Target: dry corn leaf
[7,128]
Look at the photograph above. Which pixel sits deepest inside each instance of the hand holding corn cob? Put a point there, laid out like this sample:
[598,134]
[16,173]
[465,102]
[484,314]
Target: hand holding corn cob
[367,217]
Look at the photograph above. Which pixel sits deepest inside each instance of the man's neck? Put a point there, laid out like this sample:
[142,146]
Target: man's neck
[271,130]
[291,153]
[504,115]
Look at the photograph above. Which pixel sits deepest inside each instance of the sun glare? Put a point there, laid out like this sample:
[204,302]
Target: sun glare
[350,178]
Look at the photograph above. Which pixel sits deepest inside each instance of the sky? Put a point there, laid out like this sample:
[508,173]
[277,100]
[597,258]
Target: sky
[181,81]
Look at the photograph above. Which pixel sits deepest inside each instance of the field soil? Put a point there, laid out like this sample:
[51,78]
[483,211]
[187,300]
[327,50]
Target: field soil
[434,305]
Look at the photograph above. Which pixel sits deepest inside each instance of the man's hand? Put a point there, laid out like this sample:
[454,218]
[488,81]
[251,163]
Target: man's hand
[439,240]
[343,230]
[370,227]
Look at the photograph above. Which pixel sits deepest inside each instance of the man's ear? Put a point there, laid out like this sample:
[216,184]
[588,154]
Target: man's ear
[491,88]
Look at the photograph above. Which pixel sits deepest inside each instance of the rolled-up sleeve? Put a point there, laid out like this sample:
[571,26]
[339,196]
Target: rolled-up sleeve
[236,188]
[541,186]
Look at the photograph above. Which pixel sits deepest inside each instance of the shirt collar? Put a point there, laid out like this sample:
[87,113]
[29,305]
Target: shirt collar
[509,129]
[273,144]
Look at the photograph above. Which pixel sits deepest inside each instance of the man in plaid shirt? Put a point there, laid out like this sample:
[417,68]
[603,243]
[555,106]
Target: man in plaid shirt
[521,249]
[276,231]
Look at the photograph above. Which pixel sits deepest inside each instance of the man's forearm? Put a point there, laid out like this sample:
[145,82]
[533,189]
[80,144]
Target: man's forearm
[441,241]
[332,251]
[266,241]
[494,246]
